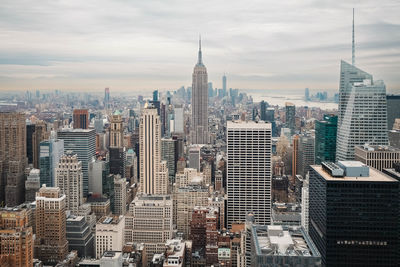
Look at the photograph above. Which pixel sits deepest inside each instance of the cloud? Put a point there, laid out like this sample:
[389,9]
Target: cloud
[142,45]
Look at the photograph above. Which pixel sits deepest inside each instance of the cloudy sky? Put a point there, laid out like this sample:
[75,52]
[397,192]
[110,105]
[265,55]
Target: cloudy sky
[141,45]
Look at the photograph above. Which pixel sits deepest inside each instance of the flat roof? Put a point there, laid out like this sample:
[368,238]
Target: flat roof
[374,176]
[239,124]
[377,148]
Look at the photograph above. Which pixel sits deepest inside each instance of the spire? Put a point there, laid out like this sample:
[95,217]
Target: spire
[353,60]
[200,60]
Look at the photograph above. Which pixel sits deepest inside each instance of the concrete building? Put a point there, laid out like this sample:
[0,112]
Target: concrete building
[81,119]
[100,206]
[306,155]
[119,195]
[32,185]
[163,180]
[69,178]
[83,143]
[178,119]
[149,221]
[343,202]
[199,102]
[80,237]
[378,157]
[98,173]
[51,152]
[277,245]
[12,158]
[248,171]
[16,238]
[51,245]
[150,150]
[109,234]
[357,125]
[305,204]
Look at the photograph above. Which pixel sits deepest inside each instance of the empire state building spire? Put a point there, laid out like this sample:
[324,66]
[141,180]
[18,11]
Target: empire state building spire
[200,57]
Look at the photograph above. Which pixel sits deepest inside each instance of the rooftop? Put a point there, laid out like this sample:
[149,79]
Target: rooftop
[239,124]
[110,219]
[377,148]
[278,240]
[374,176]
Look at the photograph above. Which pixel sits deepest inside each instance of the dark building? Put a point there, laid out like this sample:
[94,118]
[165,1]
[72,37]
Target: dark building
[354,215]
[81,119]
[280,187]
[263,110]
[393,109]
[325,139]
[117,160]
[290,117]
[80,237]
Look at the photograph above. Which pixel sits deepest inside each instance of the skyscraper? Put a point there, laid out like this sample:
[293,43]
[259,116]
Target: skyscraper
[354,215]
[169,153]
[106,98]
[200,102]
[81,119]
[51,152]
[325,139]
[51,245]
[155,95]
[116,149]
[306,94]
[69,178]
[83,143]
[150,149]
[224,83]
[12,157]
[119,195]
[248,171]
[290,117]
[362,115]
[263,110]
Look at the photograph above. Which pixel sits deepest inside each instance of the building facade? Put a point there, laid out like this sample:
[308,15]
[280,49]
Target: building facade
[248,171]
[81,119]
[51,152]
[378,157]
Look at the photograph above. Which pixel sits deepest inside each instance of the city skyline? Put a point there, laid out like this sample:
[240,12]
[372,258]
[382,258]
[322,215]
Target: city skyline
[144,46]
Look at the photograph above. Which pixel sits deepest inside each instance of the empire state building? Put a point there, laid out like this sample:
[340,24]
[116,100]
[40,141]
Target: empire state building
[199,102]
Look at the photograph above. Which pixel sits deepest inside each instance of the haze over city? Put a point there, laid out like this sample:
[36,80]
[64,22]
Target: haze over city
[146,45]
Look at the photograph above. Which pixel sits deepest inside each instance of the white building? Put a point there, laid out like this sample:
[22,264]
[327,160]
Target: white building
[362,114]
[150,149]
[69,178]
[109,234]
[305,205]
[178,119]
[248,171]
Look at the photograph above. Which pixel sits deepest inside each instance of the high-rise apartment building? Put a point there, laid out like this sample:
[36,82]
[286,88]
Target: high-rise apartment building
[199,102]
[290,117]
[51,152]
[354,214]
[149,221]
[69,178]
[16,238]
[362,114]
[119,195]
[12,158]
[393,110]
[109,234]
[378,157]
[51,245]
[83,143]
[248,171]
[81,119]
[150,149]
[325,139]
